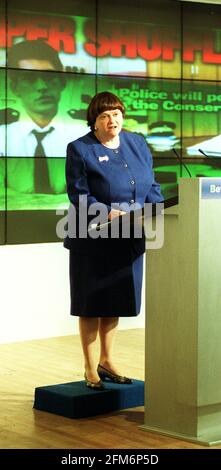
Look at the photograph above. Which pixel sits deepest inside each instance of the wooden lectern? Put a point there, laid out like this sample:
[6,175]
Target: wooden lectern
[183,318]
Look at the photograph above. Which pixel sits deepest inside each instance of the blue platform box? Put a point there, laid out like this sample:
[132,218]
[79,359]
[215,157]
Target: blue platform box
[75,400]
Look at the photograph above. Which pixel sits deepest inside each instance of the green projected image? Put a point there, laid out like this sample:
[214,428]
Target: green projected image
[167,173]
[169,113]
[153,108]
[47,102]
[68,34]
[160,57]
[36,154]
[142,40]
[26,175]
[201,114]
[149,110]
[2,182]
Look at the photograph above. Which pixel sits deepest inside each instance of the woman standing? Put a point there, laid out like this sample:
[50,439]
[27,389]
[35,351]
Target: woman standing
[109,167]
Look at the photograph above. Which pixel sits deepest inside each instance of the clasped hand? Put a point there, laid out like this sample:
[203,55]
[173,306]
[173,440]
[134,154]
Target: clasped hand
[115,213]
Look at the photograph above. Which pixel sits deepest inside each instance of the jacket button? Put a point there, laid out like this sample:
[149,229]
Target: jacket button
[125,165]
[132,201]
[132,182]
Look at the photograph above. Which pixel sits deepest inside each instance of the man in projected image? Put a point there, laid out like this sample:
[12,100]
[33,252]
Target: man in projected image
[39,130]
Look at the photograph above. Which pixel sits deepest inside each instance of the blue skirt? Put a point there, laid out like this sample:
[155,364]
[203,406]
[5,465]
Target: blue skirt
[106,283]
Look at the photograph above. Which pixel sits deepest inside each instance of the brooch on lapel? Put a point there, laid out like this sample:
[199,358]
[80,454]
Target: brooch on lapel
[105,158]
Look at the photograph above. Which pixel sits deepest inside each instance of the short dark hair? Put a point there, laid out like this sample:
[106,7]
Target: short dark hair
[36,49]
[100,103]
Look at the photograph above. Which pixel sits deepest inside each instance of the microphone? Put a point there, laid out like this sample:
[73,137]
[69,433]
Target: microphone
[181,161]
[203,153]
[215,160]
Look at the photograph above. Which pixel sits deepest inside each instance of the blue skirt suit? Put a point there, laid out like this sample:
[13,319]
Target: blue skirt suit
[106,273]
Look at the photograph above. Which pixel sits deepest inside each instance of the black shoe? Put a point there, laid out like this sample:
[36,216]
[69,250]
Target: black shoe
[95,385]
[107,374]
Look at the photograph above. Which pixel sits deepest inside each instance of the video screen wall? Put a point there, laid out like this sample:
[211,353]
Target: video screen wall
[161,57]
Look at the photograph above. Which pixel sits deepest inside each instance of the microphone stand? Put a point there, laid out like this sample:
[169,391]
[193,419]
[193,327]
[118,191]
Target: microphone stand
[138,215]
[203,153]
[182,163]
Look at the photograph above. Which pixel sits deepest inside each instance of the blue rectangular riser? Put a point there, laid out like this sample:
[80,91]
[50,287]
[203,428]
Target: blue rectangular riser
[75,400]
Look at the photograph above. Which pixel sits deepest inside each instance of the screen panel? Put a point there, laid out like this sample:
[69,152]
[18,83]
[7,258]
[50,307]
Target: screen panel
[167,173]
[50,102]
[32,205]
[139,39]
[201,109]
[34,226]
[152,109]
[2,200]
[3,38]
[3,112]
[139,54]
[61,26]
[41,95]
[201,41]
[67,110]
[21,192]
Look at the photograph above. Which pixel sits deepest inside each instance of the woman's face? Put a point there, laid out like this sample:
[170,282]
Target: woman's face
[109,123]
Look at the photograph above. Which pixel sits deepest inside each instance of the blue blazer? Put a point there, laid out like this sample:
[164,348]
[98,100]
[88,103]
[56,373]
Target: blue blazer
[109,176]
